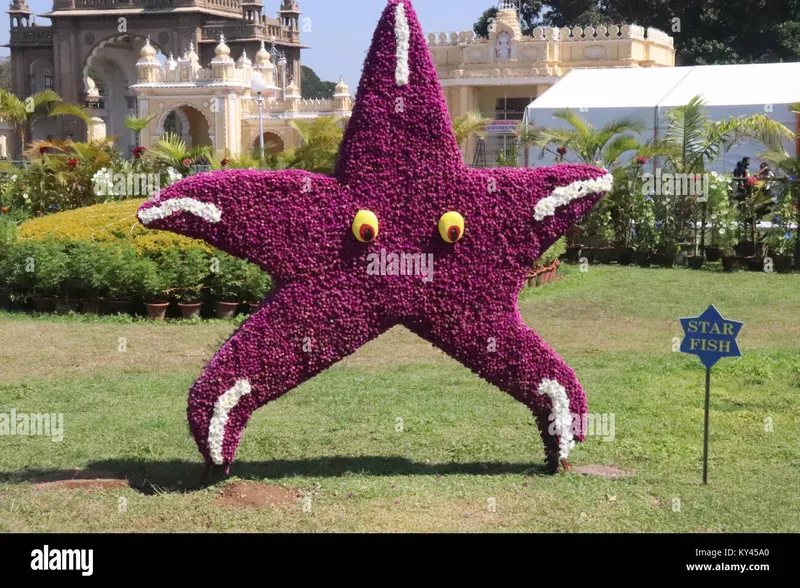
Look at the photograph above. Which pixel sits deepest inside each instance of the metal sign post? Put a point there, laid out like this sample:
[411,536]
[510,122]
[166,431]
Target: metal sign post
[710,337]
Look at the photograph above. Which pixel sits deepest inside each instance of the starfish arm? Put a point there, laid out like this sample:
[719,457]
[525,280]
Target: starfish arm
[540,205]
[302,330]
[400,130]
[504,351]
[282,221]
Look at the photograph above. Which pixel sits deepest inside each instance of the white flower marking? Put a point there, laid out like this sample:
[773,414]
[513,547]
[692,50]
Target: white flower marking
[402,34]
[204,210]
[559,415]
[216,429]
[563,195]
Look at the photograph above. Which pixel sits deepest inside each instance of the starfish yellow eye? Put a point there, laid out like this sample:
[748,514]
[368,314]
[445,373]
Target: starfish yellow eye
[365,226]
[451,227]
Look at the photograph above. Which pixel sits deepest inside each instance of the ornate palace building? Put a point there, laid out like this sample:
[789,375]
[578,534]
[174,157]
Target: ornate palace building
[189,64]
[501,75]
[163,58]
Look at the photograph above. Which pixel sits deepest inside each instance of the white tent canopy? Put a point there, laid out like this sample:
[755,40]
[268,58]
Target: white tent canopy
[602,95]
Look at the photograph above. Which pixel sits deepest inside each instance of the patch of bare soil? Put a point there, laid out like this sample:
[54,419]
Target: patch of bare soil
[254,495]
[605,471]
[83,479]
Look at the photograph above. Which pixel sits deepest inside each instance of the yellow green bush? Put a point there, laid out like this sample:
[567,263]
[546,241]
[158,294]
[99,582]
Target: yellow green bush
[105,223]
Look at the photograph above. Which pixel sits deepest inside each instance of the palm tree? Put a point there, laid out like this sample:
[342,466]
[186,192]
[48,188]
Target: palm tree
[692,139]
[172,151]
[592,146]
[319,148]
[137,125]
[23,114]
[470,124]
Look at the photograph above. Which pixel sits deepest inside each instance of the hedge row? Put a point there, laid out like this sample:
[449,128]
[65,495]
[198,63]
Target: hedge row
[71,270]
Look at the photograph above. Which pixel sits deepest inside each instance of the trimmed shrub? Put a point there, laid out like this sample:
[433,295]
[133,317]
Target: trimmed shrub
[105,223]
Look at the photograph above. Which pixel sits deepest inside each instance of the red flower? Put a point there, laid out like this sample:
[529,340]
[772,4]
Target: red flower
[641,160]
[42,150]
[562,151]
[5,209]
[138,152]
[224,162]
[186,162]
[72,162]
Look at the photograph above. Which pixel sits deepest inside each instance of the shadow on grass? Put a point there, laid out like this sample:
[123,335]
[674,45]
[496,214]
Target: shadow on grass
[154,477]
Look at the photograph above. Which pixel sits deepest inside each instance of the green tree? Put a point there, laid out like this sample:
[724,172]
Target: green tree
[137,125]
[530,18]
[692,139]
[319,148]
[470,124]
[23,114]
[705,31]
[313,87]
[6,83]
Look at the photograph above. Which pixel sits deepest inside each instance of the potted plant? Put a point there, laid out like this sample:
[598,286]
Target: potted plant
[20,270]
[256,286]
[158,280]
[83,276]
[123,273]
[192,268]
[51,270]
[779,238]
[227,285]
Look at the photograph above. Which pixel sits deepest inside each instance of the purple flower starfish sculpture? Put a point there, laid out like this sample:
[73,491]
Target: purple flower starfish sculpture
[404,234]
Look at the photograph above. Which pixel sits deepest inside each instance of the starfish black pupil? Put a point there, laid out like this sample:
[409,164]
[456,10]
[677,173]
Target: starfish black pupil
[367,233]
[454,233]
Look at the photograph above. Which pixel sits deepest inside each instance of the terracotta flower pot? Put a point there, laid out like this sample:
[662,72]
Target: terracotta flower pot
[226,310]
[190,310]
[117,306]
[545,274]
[729,263]
[43,304]
[713,253]
[90,306]
[156,311]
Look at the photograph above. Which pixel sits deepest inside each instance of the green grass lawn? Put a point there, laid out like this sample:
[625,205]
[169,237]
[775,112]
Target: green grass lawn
[463,442]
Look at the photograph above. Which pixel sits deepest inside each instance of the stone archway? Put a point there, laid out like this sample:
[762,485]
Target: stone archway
[189,122]
[274,143]
[111,64]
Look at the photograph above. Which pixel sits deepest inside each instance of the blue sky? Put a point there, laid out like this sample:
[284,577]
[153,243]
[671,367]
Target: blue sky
[342,29]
